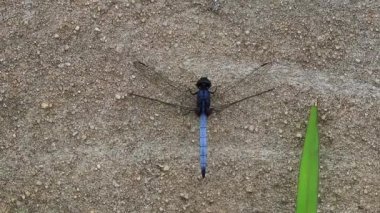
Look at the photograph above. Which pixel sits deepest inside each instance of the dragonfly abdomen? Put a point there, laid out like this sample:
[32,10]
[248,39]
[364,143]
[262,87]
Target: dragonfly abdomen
[203,143]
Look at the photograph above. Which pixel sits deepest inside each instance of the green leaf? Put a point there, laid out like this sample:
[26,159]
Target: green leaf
[307,196]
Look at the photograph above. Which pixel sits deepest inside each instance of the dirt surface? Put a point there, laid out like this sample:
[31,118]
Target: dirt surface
[71,140]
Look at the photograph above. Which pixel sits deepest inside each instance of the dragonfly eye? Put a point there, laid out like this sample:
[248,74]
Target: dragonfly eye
[203,83]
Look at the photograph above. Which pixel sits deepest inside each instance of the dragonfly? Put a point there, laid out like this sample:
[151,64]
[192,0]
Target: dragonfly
[201,105]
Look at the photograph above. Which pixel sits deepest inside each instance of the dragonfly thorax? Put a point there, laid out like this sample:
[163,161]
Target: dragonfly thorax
[203,83]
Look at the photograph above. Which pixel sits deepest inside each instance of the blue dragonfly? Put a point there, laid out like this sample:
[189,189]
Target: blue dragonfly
[202,106]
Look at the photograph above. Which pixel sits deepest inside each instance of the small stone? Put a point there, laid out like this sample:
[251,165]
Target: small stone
[46,105]
[118,96]
[119,48]
[98,166]
[280,131]
[97,29]
[184,196]
[358,60]
[56,35]
[133,76]
[38,183]
[249,189]
[251,128]
[166,168]
[115,184]
[77,28]
[27,193]
[299,135]
[61,65]
[151,118]
[247,32]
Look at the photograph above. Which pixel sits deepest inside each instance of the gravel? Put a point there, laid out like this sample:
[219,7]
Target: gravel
[67,122]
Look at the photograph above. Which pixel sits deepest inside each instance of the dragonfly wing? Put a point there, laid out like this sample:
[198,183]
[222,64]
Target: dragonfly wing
[252,84]
[203,143]
[163,102]
[159,87]
[225,106]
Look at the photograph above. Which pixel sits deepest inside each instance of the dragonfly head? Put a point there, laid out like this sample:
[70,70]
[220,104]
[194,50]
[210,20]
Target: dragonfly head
[203,83]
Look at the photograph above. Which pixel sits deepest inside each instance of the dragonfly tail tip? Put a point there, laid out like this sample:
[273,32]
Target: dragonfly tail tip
[203,172]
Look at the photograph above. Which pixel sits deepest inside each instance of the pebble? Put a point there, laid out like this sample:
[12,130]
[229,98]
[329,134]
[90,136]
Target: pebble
[98,166]
[115,184]
[77,28]
[56,35]
[46,105]
[299,135]
[38,183]
[118,96]
[166,168]
[358,60]
[251,128]
[184,196]
[92,126]
[119,48]
[66,47]
[247,32]
[249,189]
[280,131]
[97,29]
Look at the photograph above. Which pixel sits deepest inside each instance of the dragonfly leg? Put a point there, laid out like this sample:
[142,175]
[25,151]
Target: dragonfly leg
[192,93]
[216,88]
[209,111]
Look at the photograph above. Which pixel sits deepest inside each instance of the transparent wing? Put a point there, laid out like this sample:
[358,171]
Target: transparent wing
[155,86]
[252,84]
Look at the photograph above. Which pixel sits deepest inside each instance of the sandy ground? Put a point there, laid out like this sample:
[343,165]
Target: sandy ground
[71,140]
